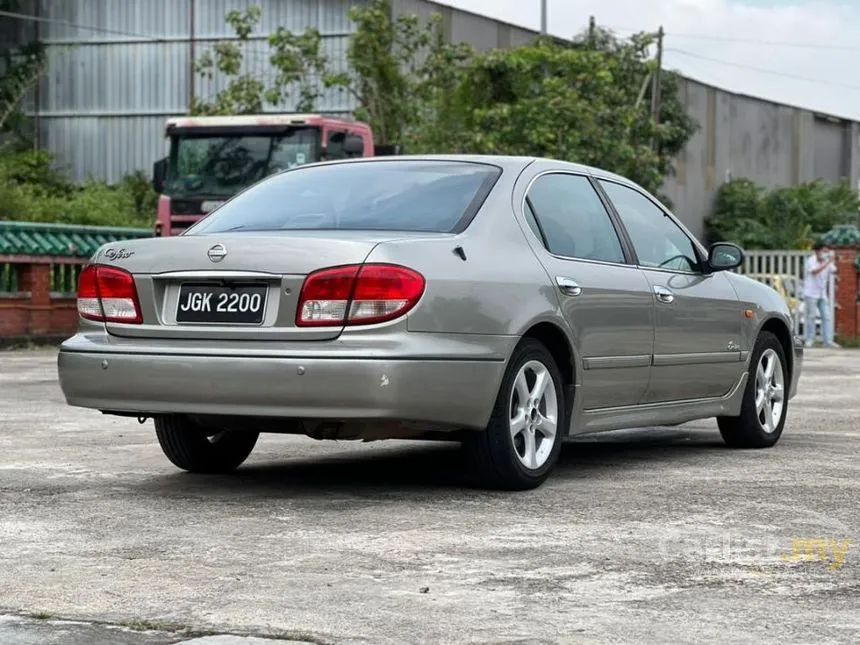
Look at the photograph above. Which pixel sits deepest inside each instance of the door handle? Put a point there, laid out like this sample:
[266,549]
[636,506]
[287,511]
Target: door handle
[568,286]
[663,294]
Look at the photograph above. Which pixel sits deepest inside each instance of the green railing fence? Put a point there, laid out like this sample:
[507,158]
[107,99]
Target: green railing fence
[61,240]
[65,247]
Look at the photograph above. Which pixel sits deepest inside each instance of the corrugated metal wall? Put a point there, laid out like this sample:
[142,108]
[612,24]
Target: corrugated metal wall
[119,69]
[109,90]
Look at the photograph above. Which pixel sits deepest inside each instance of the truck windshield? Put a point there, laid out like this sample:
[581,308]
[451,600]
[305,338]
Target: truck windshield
[223,165]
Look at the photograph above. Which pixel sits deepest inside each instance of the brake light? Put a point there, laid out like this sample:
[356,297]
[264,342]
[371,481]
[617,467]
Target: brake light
[108,294]
[359,294]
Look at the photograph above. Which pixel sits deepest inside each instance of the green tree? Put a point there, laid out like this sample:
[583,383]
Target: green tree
[578,102]
[782,218]
[396,69]
[399,71]
[586,100]
[298,60]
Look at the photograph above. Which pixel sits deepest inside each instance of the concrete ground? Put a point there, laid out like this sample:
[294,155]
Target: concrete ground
[657,536]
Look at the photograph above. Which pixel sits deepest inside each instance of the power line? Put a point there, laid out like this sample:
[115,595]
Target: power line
[763,70]
[765,43]
[768,43]
[57,21]
[258,55]
[748,41]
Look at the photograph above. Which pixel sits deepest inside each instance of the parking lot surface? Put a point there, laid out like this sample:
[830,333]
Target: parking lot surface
[661,535]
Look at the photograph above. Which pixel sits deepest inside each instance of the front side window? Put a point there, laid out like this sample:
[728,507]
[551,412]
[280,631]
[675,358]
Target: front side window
[658,241]
[407,195]
[572,218]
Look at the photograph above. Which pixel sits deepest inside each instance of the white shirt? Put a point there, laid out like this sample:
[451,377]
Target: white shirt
[815,285]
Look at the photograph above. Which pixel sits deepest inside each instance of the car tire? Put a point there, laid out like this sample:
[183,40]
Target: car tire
[197,449]
[515,451]
[768,382]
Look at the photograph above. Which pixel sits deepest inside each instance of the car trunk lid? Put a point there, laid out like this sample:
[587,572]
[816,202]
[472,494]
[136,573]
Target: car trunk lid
[231,286]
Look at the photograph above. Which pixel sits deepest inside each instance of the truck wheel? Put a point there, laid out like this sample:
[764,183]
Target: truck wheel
[200,450]
[522,442]
[765,404]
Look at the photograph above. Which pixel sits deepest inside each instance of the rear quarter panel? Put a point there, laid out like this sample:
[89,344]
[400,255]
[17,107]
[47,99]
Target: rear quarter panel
[500,289]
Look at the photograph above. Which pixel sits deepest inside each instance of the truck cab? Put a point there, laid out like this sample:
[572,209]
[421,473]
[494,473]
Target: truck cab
[212,158]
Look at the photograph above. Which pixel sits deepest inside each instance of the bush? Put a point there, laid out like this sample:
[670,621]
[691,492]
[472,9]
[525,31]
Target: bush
[33,189]
[782,218]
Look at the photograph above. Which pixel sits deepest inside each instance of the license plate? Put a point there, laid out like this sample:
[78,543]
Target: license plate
[236,304]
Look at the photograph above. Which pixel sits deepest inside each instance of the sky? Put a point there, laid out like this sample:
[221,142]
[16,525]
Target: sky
[762,48]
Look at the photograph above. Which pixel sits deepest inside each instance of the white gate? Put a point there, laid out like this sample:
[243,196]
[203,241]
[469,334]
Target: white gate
[790,268]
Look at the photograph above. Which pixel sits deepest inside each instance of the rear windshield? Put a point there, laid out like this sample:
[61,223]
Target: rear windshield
[432,196]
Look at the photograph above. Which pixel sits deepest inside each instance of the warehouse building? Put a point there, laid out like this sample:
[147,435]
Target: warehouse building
[119,69]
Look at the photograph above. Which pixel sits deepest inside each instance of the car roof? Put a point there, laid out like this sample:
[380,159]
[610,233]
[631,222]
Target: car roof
[506,162]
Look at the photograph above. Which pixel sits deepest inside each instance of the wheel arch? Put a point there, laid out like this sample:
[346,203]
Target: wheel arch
[553,337]
[779,328]
[556,341]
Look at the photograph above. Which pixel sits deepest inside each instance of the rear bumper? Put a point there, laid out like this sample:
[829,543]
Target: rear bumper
[452,392]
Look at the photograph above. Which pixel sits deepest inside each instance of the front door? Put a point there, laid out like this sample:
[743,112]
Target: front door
[698,316]
[605,299]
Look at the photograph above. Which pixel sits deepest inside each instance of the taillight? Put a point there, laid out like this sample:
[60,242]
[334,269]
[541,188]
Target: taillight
[359,294]
[108,294]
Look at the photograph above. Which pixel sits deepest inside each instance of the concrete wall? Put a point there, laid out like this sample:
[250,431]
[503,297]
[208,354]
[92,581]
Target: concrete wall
[772,144]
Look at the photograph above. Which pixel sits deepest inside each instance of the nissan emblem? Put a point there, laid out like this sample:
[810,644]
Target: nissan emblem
[217,253]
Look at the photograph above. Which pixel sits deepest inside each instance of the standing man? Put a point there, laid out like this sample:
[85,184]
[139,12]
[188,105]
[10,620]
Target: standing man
[819,267]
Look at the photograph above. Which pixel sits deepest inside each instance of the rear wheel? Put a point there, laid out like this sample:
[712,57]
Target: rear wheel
[522,442]
[765,405]
[202,450]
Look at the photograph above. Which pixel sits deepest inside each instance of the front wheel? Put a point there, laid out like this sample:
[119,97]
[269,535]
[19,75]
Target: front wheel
[522,442]
[765,404]
[197,449]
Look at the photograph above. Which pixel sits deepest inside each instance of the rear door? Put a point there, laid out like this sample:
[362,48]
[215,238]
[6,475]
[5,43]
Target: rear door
[697,333]
[605,299]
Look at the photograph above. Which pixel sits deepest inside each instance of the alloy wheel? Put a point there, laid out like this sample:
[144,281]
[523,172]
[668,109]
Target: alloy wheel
[533,414]
[769,391]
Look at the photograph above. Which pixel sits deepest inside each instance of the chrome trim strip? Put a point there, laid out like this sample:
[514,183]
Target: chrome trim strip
[665,360]
[615,362]
[215,274]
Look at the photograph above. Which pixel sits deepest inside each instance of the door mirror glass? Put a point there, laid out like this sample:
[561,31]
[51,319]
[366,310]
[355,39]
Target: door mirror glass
[353,145]
[724,256]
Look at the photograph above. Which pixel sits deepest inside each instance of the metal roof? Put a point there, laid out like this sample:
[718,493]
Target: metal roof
[35,239]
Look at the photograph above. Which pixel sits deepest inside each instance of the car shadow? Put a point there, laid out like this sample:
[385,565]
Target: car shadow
[424,467]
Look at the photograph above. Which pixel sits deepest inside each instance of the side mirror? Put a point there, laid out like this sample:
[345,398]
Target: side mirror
[353,145]
[724,256]
[159,174]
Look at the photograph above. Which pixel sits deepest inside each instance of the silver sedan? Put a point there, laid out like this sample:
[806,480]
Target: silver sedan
[508,303]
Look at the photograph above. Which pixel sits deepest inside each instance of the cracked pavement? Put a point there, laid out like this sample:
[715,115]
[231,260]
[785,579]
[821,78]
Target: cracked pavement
[661,535]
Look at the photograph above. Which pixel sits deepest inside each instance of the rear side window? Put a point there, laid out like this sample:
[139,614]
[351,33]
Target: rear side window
[572,219]
[431,196]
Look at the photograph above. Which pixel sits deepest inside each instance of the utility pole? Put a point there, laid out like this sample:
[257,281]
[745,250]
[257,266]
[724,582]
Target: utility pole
[592,27]
[543,17]
[657,78]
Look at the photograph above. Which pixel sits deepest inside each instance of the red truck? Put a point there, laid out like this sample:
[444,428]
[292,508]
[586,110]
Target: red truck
[212,158]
